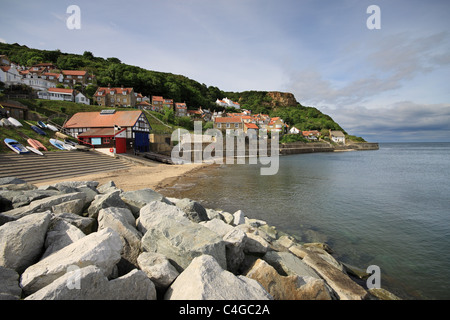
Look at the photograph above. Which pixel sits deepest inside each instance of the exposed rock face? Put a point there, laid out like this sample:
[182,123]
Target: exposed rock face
[282,99]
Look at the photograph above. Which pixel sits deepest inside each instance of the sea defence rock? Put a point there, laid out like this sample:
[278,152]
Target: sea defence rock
[139,198]
[90,242]
[205,279]
[90,283]
[101,249]
[181,240]
[22,241]
[290,287]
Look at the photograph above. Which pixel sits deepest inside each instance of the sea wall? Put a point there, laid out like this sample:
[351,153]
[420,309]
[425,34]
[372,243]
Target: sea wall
[79,240]
[301,147]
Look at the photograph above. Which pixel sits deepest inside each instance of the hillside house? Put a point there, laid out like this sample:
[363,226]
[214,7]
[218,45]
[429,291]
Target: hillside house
[115,97]
[228,123]
[225,102]
[100,128]
[311,135]
[57,94]
[180,109]
[337,136]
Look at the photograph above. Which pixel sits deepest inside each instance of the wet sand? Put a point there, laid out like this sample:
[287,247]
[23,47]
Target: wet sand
[139,177]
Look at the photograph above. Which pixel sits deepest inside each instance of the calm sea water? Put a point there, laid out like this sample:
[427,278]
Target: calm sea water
[389,207]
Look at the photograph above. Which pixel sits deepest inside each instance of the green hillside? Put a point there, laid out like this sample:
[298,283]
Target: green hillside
[177,87]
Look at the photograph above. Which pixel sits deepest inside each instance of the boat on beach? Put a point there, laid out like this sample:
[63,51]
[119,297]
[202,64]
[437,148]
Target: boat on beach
[57,144]
[34,150]
[38,130]
[36,144]
[52,127]
[41,124]
[15,122]
[15,146]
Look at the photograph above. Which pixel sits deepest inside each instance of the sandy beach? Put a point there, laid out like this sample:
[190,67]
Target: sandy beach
[138,177]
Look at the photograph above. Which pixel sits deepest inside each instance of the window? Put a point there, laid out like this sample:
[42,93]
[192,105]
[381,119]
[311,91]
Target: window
[236,125]
[219,125]
[228,125]
[106,140]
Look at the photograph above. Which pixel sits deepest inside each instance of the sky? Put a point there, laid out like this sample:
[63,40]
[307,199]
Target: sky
[387,85]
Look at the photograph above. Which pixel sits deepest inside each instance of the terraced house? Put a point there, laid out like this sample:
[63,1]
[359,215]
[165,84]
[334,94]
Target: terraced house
[115,97]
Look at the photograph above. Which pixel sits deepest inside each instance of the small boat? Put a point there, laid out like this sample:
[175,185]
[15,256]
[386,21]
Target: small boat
[52,127]
[15,122]
[41,124]
[16,146]
[57,144]
[6,122]
[66,146]
[70,142]
[34,150]
[36,144]
[38,130]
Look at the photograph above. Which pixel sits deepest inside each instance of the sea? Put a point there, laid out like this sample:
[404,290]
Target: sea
[388,207]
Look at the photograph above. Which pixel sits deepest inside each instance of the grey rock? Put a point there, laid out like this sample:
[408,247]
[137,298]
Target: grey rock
[22,241]
[288,264]
[9,284]
[74,206]
[139,198]
[85,224]
[154,211]
[194,210]
[22,198]
[122,221]
[44,204]
[101,249]
[341,283]
[11,180]
[90,283]
[101,201]
[181,240]
[239,218]
[205,279]
[59,235]
[158,268]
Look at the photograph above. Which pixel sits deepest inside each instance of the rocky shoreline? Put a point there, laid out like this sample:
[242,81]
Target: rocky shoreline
[81,240]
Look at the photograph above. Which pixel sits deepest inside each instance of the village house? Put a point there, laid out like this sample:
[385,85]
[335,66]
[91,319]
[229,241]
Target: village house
[130,128]
[72,77]
[9,75]
[311,135]
[249,125]
[57,94]
[115,97]
[225,102]
[276,124]
[228,123]
[180,109]
[294,130]
[157,103]
[337,136]
[143,105]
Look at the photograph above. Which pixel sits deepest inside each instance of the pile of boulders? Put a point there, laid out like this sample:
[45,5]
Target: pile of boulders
[79,240]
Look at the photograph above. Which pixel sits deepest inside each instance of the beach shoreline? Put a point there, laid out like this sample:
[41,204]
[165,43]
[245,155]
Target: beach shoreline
[138,176]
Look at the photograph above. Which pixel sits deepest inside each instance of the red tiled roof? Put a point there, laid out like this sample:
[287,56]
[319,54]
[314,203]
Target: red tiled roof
[97,120]
[74,72]
[228,119]
[106,90]
[251,126]
[100,132]
[60,90]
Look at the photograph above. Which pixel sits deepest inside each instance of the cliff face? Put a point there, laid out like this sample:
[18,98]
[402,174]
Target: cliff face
[282,99]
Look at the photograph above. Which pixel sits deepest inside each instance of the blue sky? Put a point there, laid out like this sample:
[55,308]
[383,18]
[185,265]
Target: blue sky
[390,84]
